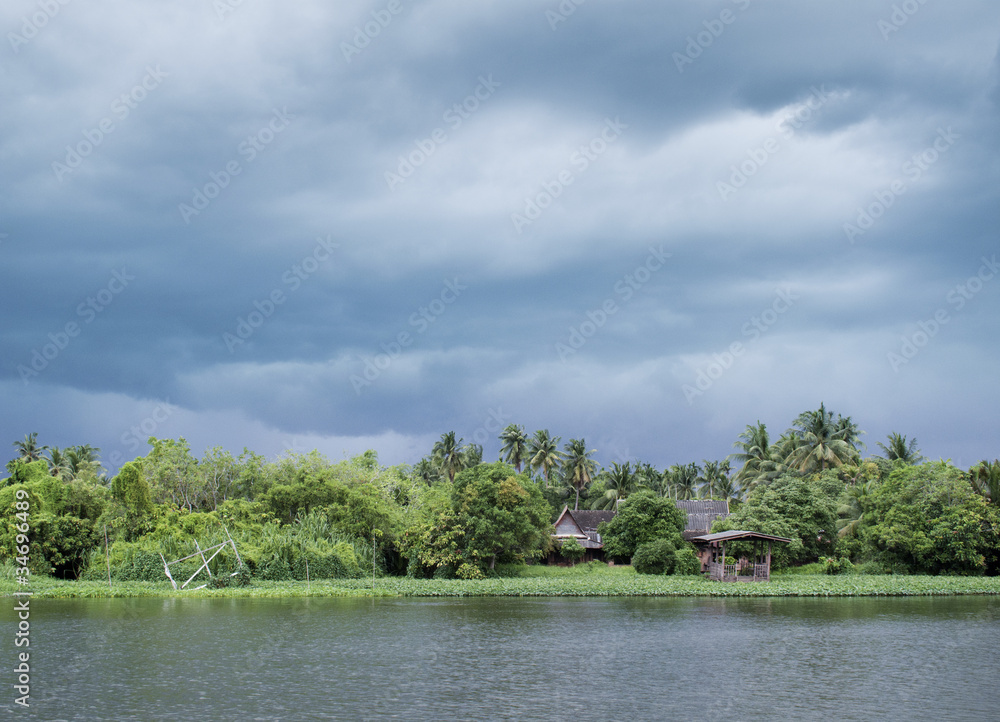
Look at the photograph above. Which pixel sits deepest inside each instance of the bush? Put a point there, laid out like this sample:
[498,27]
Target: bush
[655,557]
[572,549]
[686,562]
[832,565]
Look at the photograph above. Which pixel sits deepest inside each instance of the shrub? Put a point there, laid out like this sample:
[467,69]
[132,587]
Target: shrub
[832,565]
[686,562]
[655,557]
[572,549]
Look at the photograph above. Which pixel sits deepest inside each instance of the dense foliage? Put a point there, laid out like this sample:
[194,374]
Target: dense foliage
[302,516]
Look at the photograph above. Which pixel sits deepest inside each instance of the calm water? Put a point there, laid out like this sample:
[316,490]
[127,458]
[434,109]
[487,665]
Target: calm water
[571,659]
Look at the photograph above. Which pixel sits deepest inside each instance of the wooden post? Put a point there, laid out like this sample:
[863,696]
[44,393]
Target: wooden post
[769,561]
[202,555]
[308,583]
[107,554]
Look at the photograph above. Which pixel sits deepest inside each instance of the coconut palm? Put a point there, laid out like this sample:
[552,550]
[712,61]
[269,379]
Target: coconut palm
[28,448]
[852,511]
[578,467]
[58,463]
[684,480]
[620,481]
[713,477]
[899,449]
[754,453]
[822,441]
[985,478]
[515,446]
[472,455]
[544,454]
[649,478]
[447,454]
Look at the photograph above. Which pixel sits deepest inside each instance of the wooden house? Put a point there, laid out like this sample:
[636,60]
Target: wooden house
[581,524]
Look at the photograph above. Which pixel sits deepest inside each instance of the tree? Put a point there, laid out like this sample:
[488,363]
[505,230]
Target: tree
[447,453]
[985,478]
[715,481]
[800,508]
[58,463]
[578,467]
[927,519]
[174,475]
[619,482]
[544,454]
[823,441]
[654,557]
[899,449]
[571,549]
[130,489]
[641,518]
[472,455]
[515,446]
[684,480]
[28,448]
[754,453]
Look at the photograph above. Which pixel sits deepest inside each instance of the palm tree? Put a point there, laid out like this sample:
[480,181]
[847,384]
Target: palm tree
[515,446]
[472,455]
[58,463]
[713,477]
[28,448]
[544,454]
[852,511]
[754,453]
[578,467]
[620,481]
[447,453]
[822,441]
[985,479]
[82,458]
[425,469]
[684,479]
[899,449]
[648,477]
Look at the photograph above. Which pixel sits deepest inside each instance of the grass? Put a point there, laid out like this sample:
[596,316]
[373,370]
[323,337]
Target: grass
[540,581]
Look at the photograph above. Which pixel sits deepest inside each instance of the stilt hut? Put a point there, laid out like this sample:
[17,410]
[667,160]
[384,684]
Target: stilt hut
[754,569]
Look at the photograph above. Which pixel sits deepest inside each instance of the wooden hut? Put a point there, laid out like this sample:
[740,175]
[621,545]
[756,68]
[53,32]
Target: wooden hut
[582,524]
[747,569]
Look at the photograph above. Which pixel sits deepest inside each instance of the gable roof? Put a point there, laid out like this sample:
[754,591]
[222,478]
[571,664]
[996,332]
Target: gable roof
[701,513]
[588,519]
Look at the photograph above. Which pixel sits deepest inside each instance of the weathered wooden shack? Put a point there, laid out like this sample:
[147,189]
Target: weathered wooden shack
[753,568]
[581,524]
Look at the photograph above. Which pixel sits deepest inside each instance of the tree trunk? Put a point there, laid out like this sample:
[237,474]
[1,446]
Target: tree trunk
[576,506]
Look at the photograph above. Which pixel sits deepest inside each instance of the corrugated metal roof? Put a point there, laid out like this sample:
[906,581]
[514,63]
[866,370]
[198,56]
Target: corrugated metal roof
[737,535]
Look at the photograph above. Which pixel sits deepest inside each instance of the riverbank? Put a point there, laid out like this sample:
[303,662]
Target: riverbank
[546,582]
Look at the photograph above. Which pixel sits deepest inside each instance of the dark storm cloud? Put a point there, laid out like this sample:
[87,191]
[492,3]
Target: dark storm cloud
[369,225]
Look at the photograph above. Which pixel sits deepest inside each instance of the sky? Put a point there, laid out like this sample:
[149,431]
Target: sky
[361,225]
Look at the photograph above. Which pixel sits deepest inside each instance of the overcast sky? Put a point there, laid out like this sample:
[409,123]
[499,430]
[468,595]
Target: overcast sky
[360,225]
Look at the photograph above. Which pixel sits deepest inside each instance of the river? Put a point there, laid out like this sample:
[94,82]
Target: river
[933,658]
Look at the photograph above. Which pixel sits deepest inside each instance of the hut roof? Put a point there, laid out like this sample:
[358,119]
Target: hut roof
[738,535]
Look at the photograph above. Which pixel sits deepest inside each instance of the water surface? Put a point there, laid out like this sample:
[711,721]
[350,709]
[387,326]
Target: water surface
[499,658]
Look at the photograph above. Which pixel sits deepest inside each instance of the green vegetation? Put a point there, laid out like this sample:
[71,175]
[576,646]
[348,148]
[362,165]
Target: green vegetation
[593,579]
[452,518]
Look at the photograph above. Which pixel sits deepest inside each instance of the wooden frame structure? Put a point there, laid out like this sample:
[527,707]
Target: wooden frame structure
[204,562]
[759,566]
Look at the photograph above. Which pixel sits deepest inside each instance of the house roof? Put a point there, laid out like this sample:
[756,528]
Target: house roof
[739,535]
[589,519]
[701,513]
